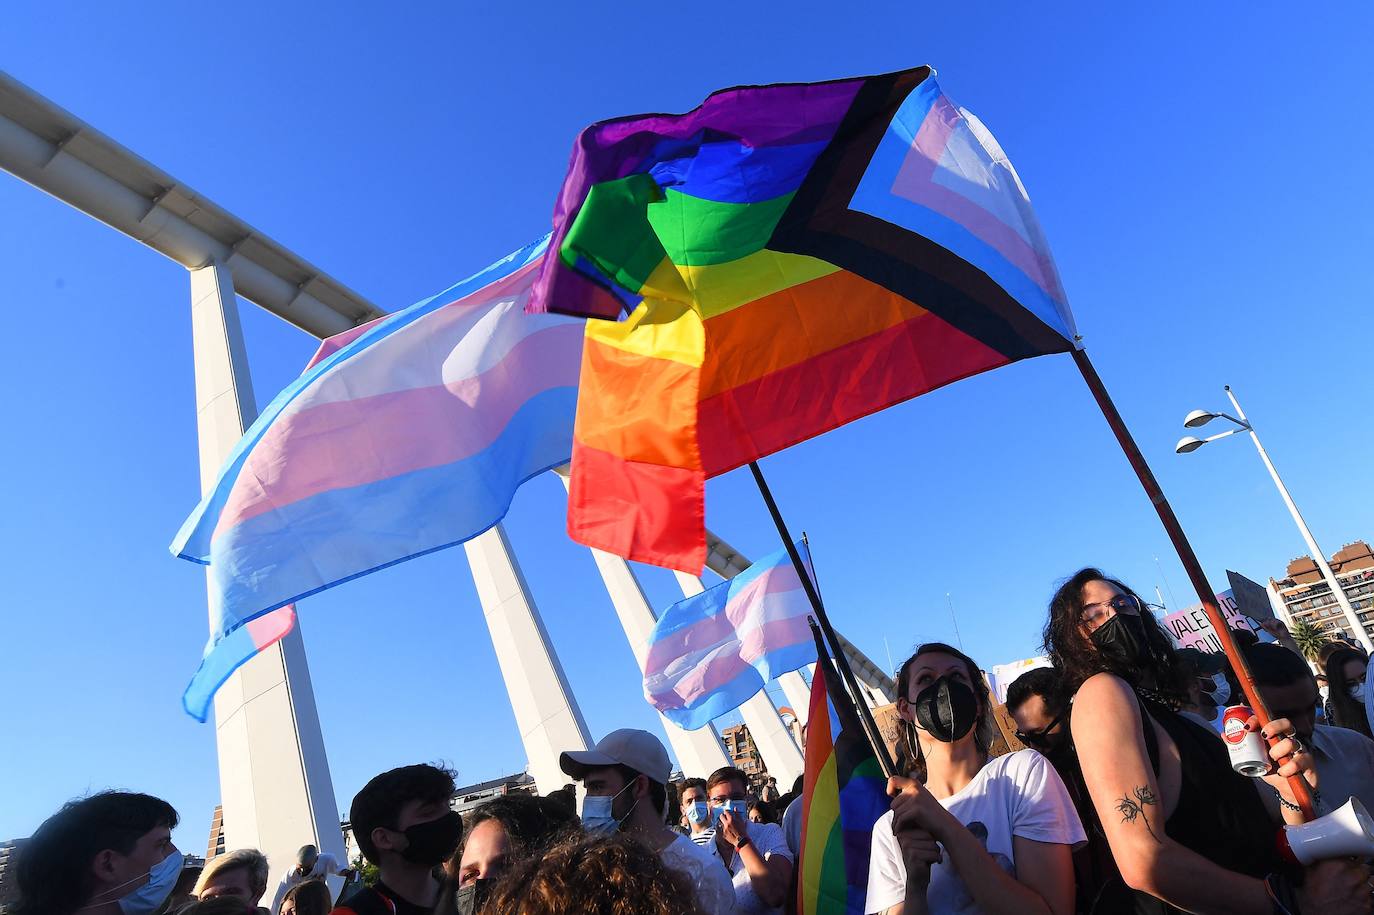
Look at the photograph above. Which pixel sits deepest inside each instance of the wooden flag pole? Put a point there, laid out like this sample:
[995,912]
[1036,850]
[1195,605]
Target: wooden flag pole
[870,726]
[1296,783]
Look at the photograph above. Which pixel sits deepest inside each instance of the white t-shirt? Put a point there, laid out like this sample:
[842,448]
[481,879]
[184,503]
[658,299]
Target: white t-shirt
[1018,794]
[326,865]
[769,840]
[715,895]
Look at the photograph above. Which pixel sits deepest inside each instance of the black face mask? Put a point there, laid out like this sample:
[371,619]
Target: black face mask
[1124,643]
[473,897]
[946,709]
[431,843]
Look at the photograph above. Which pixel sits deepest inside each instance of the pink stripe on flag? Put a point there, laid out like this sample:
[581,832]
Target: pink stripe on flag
[730,663]
[271,627]
[331,345]
[721,627]
[915,182]
[341,444]
[504,286]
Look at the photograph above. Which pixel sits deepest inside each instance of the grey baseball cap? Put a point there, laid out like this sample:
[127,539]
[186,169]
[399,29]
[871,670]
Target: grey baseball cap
[640,750]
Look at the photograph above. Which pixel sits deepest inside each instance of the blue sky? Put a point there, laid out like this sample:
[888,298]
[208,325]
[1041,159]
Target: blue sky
[1202,174]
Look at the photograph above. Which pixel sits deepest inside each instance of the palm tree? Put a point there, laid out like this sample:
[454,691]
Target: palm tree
[1310,638]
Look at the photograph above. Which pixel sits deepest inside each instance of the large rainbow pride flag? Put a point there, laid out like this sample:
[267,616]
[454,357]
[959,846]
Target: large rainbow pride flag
[793,257]
[843,795]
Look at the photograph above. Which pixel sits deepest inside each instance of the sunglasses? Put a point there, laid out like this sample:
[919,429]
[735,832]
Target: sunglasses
[1040,739]
[1095,615]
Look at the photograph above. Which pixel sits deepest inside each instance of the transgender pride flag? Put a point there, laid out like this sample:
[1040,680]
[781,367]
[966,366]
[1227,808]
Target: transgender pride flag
[402,437]
[710,653]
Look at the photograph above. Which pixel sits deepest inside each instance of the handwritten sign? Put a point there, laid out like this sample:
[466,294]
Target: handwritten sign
[1190,628]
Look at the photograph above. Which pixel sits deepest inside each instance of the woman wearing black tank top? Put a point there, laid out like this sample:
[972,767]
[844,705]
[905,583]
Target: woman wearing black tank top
[1186,831]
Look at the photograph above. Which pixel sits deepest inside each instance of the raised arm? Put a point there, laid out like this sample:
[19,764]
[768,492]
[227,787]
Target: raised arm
[769,874]
[1108,732]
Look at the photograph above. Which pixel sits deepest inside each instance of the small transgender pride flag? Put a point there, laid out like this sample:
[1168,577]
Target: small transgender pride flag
[710,653]
[401,437]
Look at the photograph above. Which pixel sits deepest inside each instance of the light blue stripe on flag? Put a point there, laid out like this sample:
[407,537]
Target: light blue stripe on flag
[711,652]
[410,438]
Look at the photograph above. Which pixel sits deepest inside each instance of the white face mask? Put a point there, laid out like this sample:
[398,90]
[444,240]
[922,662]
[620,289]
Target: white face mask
[1357,692]
[1323,691]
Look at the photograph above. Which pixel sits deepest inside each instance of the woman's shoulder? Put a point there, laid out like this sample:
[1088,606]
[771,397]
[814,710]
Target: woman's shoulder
[1103,689]
[1015,763]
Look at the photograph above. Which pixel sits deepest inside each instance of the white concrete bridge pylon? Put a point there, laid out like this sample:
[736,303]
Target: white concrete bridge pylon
[274,775]
[546,711]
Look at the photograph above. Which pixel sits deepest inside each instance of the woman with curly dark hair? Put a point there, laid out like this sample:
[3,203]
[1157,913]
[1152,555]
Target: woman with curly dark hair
[499,835]
[1186,830]
[594,875]
[1345,670]
[1007,826]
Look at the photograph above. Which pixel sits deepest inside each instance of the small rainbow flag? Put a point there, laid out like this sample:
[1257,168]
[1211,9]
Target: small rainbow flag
[844,794]
[793,257]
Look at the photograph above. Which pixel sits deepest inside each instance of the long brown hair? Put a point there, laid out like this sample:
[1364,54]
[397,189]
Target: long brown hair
[910,758]
[1345,712]
[1073,652]
[310,898]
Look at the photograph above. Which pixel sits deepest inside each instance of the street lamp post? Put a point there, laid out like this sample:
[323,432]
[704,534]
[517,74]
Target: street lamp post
[1189,443]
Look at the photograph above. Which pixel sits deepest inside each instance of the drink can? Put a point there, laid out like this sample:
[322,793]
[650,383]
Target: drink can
[1249,755]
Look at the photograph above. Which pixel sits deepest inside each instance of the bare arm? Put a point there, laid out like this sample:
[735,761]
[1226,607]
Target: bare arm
[1107,729]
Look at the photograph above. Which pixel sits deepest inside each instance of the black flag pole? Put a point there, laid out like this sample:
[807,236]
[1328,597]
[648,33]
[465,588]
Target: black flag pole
[870,726]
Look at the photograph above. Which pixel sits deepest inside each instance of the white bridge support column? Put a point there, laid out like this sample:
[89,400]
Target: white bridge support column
[545,710]
[798,694]
[781,755]
[698,752]
[273,772]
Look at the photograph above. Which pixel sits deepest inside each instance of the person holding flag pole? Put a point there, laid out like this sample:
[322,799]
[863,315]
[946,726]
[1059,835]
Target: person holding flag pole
[1187,832]
[968,832]
[729,233]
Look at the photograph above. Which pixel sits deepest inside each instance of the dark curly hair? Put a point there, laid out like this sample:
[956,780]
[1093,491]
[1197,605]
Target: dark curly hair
[604,875]
[910,758]
[1072,652]
[531,825]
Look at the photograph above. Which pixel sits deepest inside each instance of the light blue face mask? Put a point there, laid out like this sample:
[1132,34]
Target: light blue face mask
[738,808]
[149,897]
[597,819]
[1222,692]
[698,813]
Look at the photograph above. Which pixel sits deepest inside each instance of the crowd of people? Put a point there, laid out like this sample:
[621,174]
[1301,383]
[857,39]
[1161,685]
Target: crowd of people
[1124,800]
